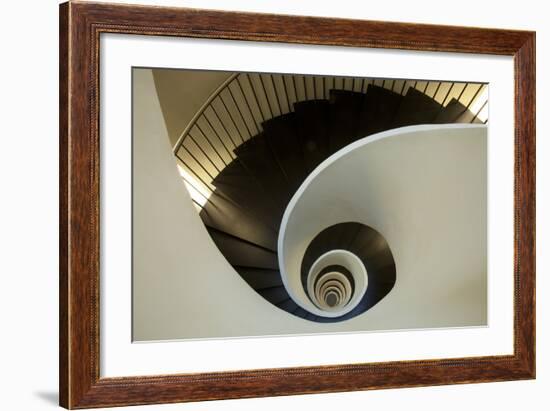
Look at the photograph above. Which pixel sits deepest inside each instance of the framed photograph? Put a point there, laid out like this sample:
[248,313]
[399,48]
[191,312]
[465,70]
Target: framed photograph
[258,205]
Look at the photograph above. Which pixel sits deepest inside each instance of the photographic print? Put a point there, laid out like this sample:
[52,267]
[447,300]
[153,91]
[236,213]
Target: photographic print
[255,205]
[268,204]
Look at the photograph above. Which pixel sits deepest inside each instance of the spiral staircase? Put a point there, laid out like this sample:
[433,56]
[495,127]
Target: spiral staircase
[254,142]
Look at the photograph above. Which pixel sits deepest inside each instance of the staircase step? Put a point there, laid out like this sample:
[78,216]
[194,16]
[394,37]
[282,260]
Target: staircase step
[300,312]
[274,295]
[385,275]
[258,160]
[344,117]
[313,317]
[312,120]
[225,216]
[376,261]
[375,292]
[416,108]
[287,305]
[379,108]
[284,139]
[367,243]
[240,252]
[260,277]
[237,184]
[450,113]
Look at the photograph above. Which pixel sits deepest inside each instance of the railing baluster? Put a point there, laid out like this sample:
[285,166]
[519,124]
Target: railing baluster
[426,88]
[231,117]
[324,88]
[240,113]
[470,103]
[314,81]
[462,92]
[222,124]
[305,87]
[403,88]
[286,93]
[256,96]
[436,90]
[248,105]
[290,104]
[276,96]
[196,190]
[363,85]
[203,152]
[200,165]
[479,111]
[295,90]
[256,99]
[276,93]
[447,95]
[203,183]
[209,101]
[481,87]
[218,136]
[210,142]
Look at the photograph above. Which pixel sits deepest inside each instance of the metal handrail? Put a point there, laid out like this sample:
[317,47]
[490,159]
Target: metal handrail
[204,106]
[242,108]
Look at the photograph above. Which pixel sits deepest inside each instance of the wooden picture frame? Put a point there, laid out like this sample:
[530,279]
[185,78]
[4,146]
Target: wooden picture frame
[80,27]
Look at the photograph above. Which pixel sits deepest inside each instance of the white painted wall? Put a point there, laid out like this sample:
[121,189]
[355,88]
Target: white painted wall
[424,188]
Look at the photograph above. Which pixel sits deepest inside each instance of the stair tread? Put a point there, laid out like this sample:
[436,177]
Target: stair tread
[300,312]
[287,305]
[312,120]
[237,184]
[241,253]
[416,108]
[283,137]
[238,221]
[274,295]
[345,117]
[379,107]
[260,278]
[450,113]
[260,162]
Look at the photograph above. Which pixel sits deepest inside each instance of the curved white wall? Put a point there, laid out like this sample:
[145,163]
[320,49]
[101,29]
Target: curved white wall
[424,189]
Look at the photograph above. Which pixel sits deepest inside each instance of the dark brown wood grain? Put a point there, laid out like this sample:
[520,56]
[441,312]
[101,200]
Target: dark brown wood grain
[80,27]
[63,206]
